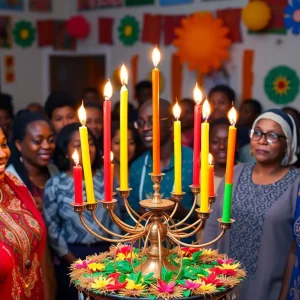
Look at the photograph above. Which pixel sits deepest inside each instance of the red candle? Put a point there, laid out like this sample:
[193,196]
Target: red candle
[197,136]
[107,141]
[77,174]
[211,177]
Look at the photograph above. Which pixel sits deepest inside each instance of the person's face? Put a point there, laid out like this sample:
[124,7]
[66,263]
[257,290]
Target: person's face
[63,116]
[5,121]
[187,116]
[115,146]
[4,154]
[38,144]
[247,115]
[145,130]
[94,121]
[75,144]
[91,96]
[144,95]
[220,105]
[218,143]
[264,151]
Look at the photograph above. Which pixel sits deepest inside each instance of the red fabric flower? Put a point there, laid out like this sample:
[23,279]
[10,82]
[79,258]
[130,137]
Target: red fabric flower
[219,271]
[213,279]
[164,287]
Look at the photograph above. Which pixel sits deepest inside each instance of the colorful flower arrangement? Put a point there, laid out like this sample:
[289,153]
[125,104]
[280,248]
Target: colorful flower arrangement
[204,273]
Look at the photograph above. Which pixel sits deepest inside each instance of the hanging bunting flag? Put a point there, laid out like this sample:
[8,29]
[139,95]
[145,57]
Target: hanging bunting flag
[232,20]
[45,30]
[138,2]
[247,74]
[105,29]
[176,77]
[152,25]
[134,70]
[170,23]
[174,2]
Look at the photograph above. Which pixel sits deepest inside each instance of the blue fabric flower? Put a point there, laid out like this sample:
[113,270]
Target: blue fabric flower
[292,16]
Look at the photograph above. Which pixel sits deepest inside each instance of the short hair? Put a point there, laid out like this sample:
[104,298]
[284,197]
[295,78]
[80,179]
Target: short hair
[6,104]
[93,104]
[90,90]
[188,101]
[144,84]
[58,99]
[255,104]
[62,141]
[225,89]
[217,122]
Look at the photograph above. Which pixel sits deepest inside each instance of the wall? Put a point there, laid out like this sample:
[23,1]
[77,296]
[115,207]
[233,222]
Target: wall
[268,53]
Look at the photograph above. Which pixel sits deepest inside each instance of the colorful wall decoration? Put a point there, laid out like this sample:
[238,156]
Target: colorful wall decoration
[62,39]
[9,68]
[174,2]
[92,4]
[138,2]
[5,32]
[292,17]
[40,5]
[12,4]
[24,33]
[129,30]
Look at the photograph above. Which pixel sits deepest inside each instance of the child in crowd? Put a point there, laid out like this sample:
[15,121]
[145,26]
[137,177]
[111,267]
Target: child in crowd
[187,121]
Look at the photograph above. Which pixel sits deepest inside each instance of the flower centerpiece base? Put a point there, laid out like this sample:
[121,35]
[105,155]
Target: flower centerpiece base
[205,274]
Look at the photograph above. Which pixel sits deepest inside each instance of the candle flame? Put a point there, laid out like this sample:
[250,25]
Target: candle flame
[205,110]
[124,75]
[176,111]
[155,56]
[108,90]
[111,156]
[197,95]
[82,114]
[210,159]
[232,116]
[75,157]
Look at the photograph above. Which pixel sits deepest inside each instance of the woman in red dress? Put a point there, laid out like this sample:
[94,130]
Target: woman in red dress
[22,237]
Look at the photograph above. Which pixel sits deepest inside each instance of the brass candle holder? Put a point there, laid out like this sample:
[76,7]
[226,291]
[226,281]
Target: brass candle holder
[156,229]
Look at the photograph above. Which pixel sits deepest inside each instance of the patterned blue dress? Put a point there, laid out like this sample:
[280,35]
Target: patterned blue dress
[294,293]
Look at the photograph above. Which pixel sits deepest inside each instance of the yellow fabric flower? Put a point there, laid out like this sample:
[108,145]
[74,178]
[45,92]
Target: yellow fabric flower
[101,283]
[96,266]
[230,266]
[124,256]
[207,287]
[131,285]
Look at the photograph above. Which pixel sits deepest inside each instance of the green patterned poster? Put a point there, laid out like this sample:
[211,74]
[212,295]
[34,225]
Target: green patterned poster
[138,2]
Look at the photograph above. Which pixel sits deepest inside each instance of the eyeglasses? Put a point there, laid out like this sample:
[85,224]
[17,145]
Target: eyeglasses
[271,137]
[140,123]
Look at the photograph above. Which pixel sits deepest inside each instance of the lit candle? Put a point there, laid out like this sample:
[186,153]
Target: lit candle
[211,176]
[177,150]
[112,169]
[204,158]
[155,112]
[229,166]
[124,130]
[85,156]
[107,141]
[197,135]
[77,174]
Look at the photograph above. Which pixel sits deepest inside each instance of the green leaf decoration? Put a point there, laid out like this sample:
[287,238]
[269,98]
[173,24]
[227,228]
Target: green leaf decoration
[123,266]
[152,297]
[166,275]
[122,278]
[186,293]
[129,30]
[281,85]
[24,34]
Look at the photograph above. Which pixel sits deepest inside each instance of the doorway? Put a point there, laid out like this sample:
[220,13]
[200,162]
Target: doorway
[74,74]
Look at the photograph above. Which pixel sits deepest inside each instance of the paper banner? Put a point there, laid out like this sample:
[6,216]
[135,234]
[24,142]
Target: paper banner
[174,2]
[9,68]
[232,20]
[40,5]
[138,2]
[45,30]
[170,23]
[92,5]
[12,5]
[5,32]
[176,77]
[105,30]
[281,85]
[62,39]
[134,70]
[152,25]
[247,74]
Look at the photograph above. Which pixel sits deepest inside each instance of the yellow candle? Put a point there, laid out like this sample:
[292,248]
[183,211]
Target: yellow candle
[177,151]
[204,158]
[85,156]
[124,130]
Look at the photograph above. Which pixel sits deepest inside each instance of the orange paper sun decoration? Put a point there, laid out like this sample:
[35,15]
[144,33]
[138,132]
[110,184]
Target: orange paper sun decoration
[202,42]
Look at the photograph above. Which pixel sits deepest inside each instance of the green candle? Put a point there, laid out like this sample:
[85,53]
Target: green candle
[227,203]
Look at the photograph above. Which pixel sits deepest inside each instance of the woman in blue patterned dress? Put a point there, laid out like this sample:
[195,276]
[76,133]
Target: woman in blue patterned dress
[263,206]
[67,236]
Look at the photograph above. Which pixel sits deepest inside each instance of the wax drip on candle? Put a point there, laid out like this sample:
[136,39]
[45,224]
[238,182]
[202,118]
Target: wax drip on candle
[75,157]
[205,110]
[197,95]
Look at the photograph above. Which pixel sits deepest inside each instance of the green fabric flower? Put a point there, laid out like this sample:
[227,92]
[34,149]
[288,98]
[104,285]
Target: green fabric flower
[24,33]
[129,30]
[281,85]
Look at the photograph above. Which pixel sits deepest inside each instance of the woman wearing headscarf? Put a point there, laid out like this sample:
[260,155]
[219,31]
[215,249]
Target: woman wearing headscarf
[263,206]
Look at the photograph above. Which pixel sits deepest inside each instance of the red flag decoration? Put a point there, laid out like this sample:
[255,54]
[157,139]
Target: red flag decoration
[232,20]
[176,77]
[134,69]
[105,30]
[170,23]
[152,25]
[248,59]
[45,29]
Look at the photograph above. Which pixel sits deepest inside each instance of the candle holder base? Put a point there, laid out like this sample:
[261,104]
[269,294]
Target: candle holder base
[78,208]
[176,197]
[163,206]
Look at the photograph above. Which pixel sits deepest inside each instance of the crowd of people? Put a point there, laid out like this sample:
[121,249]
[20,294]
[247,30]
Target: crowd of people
[41,235]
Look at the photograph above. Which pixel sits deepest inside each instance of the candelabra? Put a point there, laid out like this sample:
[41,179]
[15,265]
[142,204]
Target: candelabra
[156,229]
